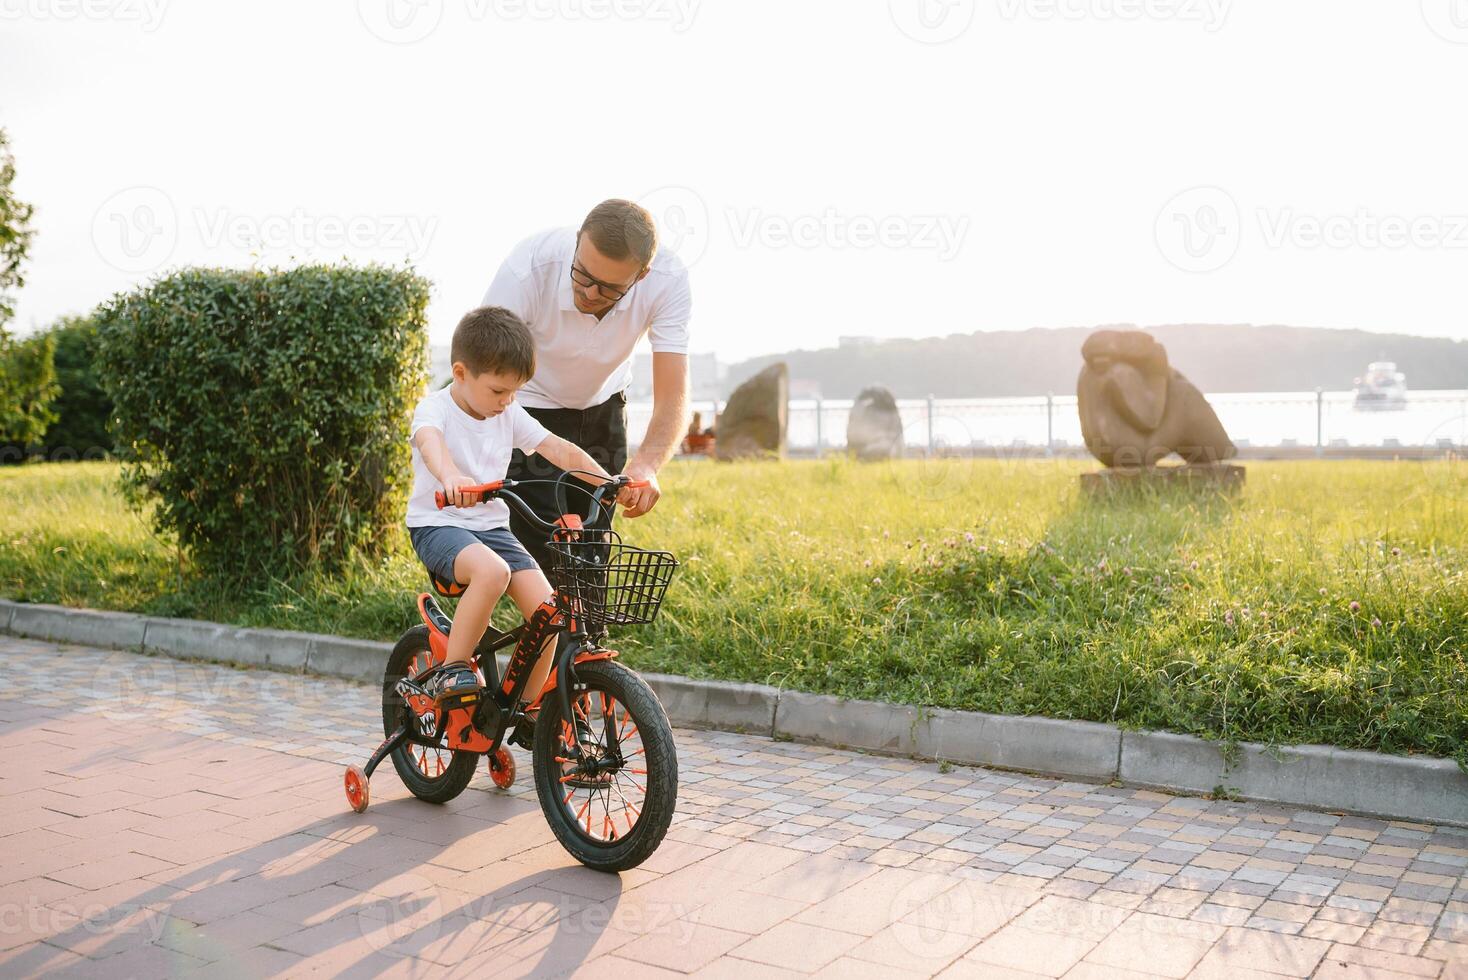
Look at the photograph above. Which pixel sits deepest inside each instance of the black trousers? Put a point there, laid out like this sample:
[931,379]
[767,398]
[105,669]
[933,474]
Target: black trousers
[601,430]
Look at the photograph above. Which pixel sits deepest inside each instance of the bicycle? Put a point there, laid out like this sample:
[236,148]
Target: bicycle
[594,727]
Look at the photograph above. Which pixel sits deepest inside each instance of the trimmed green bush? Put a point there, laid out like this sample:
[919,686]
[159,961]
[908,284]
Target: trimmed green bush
[265,413]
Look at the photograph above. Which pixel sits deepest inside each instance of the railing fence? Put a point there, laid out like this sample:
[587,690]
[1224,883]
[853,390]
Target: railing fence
[1328,421]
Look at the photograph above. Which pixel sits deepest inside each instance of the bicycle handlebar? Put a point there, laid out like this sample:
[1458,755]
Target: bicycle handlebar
[489,491]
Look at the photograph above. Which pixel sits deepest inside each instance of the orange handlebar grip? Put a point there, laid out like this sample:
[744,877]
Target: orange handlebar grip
[441,500]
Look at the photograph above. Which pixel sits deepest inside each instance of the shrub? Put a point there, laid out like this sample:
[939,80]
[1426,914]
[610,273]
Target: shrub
[266,412]
[27,390]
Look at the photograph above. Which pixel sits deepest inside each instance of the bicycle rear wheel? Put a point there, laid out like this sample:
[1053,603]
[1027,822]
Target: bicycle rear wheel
[610,806]
[435,775]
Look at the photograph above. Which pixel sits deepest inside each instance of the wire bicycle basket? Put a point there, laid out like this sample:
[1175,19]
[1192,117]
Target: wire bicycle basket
[610,583]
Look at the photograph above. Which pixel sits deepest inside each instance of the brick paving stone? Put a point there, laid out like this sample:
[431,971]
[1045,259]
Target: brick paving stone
[177,829]
[1045,954]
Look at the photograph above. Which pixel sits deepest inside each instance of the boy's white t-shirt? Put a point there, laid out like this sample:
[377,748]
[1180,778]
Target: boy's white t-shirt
[480,447]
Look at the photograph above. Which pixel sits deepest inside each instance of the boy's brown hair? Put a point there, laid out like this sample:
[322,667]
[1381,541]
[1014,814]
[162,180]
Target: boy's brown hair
[622,230]
[492,338]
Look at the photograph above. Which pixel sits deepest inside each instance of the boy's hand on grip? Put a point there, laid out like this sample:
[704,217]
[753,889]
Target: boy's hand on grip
[453,491]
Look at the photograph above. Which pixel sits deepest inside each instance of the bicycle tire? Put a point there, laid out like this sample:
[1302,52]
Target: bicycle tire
[412,762]
[660,771]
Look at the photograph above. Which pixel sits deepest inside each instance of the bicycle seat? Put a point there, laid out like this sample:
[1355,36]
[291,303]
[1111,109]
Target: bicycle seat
[436,618]
[439,621]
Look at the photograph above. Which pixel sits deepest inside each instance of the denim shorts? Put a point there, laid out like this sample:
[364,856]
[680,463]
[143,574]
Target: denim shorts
[438,546]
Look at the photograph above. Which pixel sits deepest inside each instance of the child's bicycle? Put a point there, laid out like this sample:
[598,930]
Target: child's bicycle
[606,771]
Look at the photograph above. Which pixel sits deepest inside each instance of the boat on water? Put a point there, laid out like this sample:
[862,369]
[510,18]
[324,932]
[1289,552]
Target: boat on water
[1381,389]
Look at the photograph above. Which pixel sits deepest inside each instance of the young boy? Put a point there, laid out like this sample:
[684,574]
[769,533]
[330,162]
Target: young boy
[463,435]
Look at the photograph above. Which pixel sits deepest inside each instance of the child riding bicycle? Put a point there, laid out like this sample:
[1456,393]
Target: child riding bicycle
[463,436]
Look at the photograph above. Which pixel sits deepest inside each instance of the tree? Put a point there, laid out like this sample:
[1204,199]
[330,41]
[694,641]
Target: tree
[27,369]
[83,406]
[15,233]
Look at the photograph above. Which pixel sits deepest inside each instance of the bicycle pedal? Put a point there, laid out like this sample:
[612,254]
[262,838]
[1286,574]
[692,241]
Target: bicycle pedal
[524,735]
[469,699]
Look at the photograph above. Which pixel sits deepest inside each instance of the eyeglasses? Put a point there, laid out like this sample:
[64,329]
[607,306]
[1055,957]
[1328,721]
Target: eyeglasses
[585,280]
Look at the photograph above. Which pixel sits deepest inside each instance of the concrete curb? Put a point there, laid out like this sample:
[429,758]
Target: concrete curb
[123,631]
[1411,787]
[1420,788]
[716,704]
[274,649]
[338,656]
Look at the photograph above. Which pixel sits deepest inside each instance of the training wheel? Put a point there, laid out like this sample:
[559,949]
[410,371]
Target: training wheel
[356,784]
[502,768]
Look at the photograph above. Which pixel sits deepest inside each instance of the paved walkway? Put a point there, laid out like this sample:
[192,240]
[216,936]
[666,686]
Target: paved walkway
[182,819]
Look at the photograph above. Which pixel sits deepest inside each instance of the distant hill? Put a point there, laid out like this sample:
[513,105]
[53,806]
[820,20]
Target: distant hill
[1217,358]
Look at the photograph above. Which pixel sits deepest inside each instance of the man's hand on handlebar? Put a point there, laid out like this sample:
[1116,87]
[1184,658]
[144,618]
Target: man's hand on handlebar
[642,496]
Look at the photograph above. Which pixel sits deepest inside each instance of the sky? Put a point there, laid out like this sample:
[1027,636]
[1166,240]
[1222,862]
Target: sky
[889,168]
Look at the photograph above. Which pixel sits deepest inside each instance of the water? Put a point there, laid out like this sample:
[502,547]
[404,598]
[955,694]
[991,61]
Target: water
[1436,419]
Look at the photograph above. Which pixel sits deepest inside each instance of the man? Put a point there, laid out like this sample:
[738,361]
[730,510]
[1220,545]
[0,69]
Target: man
[588,296]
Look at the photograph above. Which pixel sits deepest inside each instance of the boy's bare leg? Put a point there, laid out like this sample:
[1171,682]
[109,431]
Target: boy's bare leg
[529,588]
[485,576]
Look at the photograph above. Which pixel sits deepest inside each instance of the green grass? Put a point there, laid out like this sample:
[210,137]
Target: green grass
[983,585]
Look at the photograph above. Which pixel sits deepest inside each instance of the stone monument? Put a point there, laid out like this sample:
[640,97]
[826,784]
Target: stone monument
[1136,410]
[754,423]
[874,427]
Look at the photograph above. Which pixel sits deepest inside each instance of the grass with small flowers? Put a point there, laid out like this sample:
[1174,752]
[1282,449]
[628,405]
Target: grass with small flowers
[1327,602]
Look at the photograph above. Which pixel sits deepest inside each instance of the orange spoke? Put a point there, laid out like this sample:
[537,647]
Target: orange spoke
[567,800]
[639,772]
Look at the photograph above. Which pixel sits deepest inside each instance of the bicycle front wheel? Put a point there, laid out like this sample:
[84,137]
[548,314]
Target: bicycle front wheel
[610,803]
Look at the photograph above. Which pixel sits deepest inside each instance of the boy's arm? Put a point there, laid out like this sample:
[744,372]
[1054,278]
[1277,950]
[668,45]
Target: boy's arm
[569,456]
[435,452]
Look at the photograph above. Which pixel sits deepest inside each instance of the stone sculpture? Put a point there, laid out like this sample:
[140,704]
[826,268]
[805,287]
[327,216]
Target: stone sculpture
[874,427]
[755,421]
[1136,409]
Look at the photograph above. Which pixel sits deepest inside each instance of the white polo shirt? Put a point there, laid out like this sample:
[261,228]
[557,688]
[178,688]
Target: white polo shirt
[581,361]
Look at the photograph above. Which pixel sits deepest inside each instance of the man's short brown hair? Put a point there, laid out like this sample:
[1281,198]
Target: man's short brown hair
[622,230]
[492,338]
